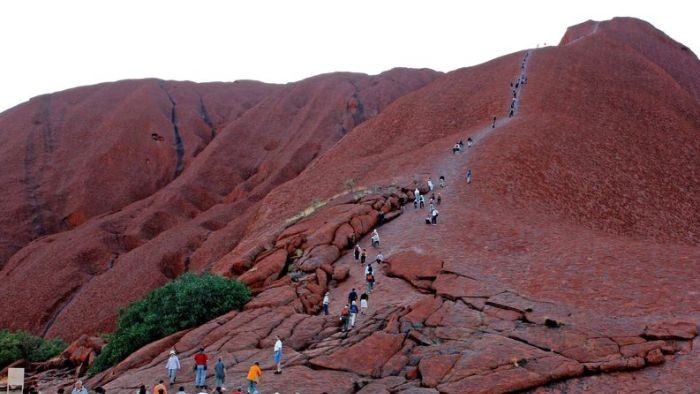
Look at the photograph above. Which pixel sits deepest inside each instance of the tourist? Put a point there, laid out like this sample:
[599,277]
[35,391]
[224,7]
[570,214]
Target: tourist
[363,256]
[439,199]
[78,388]
[358,250]
[430,184]
[353,313]
[160,387]
[380,258]
[493,125]
[172,366]
[375,237]
[142,390]
[200,362]
[442,181]
[345,317]
[352,296]
[370,282]
[455,148]
[433,216]
[368,268]
[421,203]
[254,376]
[220,373]
[469,176]
[277,354]
[181,390]
[364,303]
[469,142]
[238,390]
[326,302]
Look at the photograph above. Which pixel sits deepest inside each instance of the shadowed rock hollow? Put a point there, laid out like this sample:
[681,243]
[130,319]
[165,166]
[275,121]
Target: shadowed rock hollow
[568,264]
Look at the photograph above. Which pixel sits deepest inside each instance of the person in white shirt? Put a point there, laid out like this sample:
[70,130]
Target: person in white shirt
[278,354]
[172,366]
[326,302]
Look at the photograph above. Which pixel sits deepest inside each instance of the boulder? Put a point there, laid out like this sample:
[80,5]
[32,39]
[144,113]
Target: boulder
[365,358]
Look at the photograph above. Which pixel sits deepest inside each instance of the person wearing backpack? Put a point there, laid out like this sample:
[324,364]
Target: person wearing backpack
[344,317]
[370,282]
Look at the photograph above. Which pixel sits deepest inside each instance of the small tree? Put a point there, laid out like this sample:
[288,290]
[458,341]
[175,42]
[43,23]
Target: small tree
[22,345]
[184,303]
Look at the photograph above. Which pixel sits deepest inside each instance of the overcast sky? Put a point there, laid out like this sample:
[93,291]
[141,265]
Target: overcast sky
[54,45]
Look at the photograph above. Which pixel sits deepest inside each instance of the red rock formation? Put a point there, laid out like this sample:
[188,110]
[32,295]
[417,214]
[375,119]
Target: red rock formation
[571,255]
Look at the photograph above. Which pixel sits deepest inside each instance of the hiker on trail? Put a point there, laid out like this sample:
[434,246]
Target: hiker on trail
[239,390]
[369,269]
[510,115]
[421,203]
[220,373]
[364,303]
[78,388]
[375,236]
[277,354]
[455,148]
[363,256]
[345,317]
[439,199]
[415,202]
[469,176]
[493,125]
[357,251]
[326,302]
[352,296]
[353,313]
[181,390]
[200,362]
[470,142]
[430,184]
[442,181]
[160,387]
[141,390]
[431,206]
[433,216]
[461,145]
[254,376]
[380,218]
[172,366]
[380,258]
[370,282]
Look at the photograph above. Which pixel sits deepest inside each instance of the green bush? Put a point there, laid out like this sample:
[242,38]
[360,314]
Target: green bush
[21,344]
[184,303]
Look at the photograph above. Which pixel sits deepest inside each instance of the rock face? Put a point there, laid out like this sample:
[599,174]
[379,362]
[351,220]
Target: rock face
[569,263]
[160,204]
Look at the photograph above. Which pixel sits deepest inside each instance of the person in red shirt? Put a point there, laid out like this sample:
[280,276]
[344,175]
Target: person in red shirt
[200,362]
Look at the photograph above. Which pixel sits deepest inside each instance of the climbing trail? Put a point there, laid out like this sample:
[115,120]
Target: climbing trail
[408,232]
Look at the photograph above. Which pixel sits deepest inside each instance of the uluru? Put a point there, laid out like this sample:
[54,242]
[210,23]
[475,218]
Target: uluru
[556,248]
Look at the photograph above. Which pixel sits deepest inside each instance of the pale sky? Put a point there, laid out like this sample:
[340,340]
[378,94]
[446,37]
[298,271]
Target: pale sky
[52,45]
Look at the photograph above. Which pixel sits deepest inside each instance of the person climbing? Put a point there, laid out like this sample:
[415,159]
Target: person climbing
[254,376]
[352,296]
[430,184]
[461,145]
[364,303]
[160,386]
[368,269]
[370,282]
[326,302]
[219,373]
[433,216]
[421,203]
[493,125]
[431,206]
[415,203]
[363,256]
[78,388]
[375,236]
[277,354]
[455,148]
[439,198]
[181,390]
[442,181]
[353,314]
[172,366]
[469,176]
[510,114]
[345,317]
[141,390]
[239,390]
[357,252]
[380,218]
[380,258]
[200,362]
[469,142]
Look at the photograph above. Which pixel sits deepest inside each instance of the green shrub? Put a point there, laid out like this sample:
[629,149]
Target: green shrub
[21,344]
[184,303]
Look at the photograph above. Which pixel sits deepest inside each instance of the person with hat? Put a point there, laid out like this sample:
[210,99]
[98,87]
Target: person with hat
[172,366]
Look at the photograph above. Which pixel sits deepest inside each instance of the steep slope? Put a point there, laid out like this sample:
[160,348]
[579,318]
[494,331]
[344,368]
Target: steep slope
[568,257]
[73,155]
[200,215]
